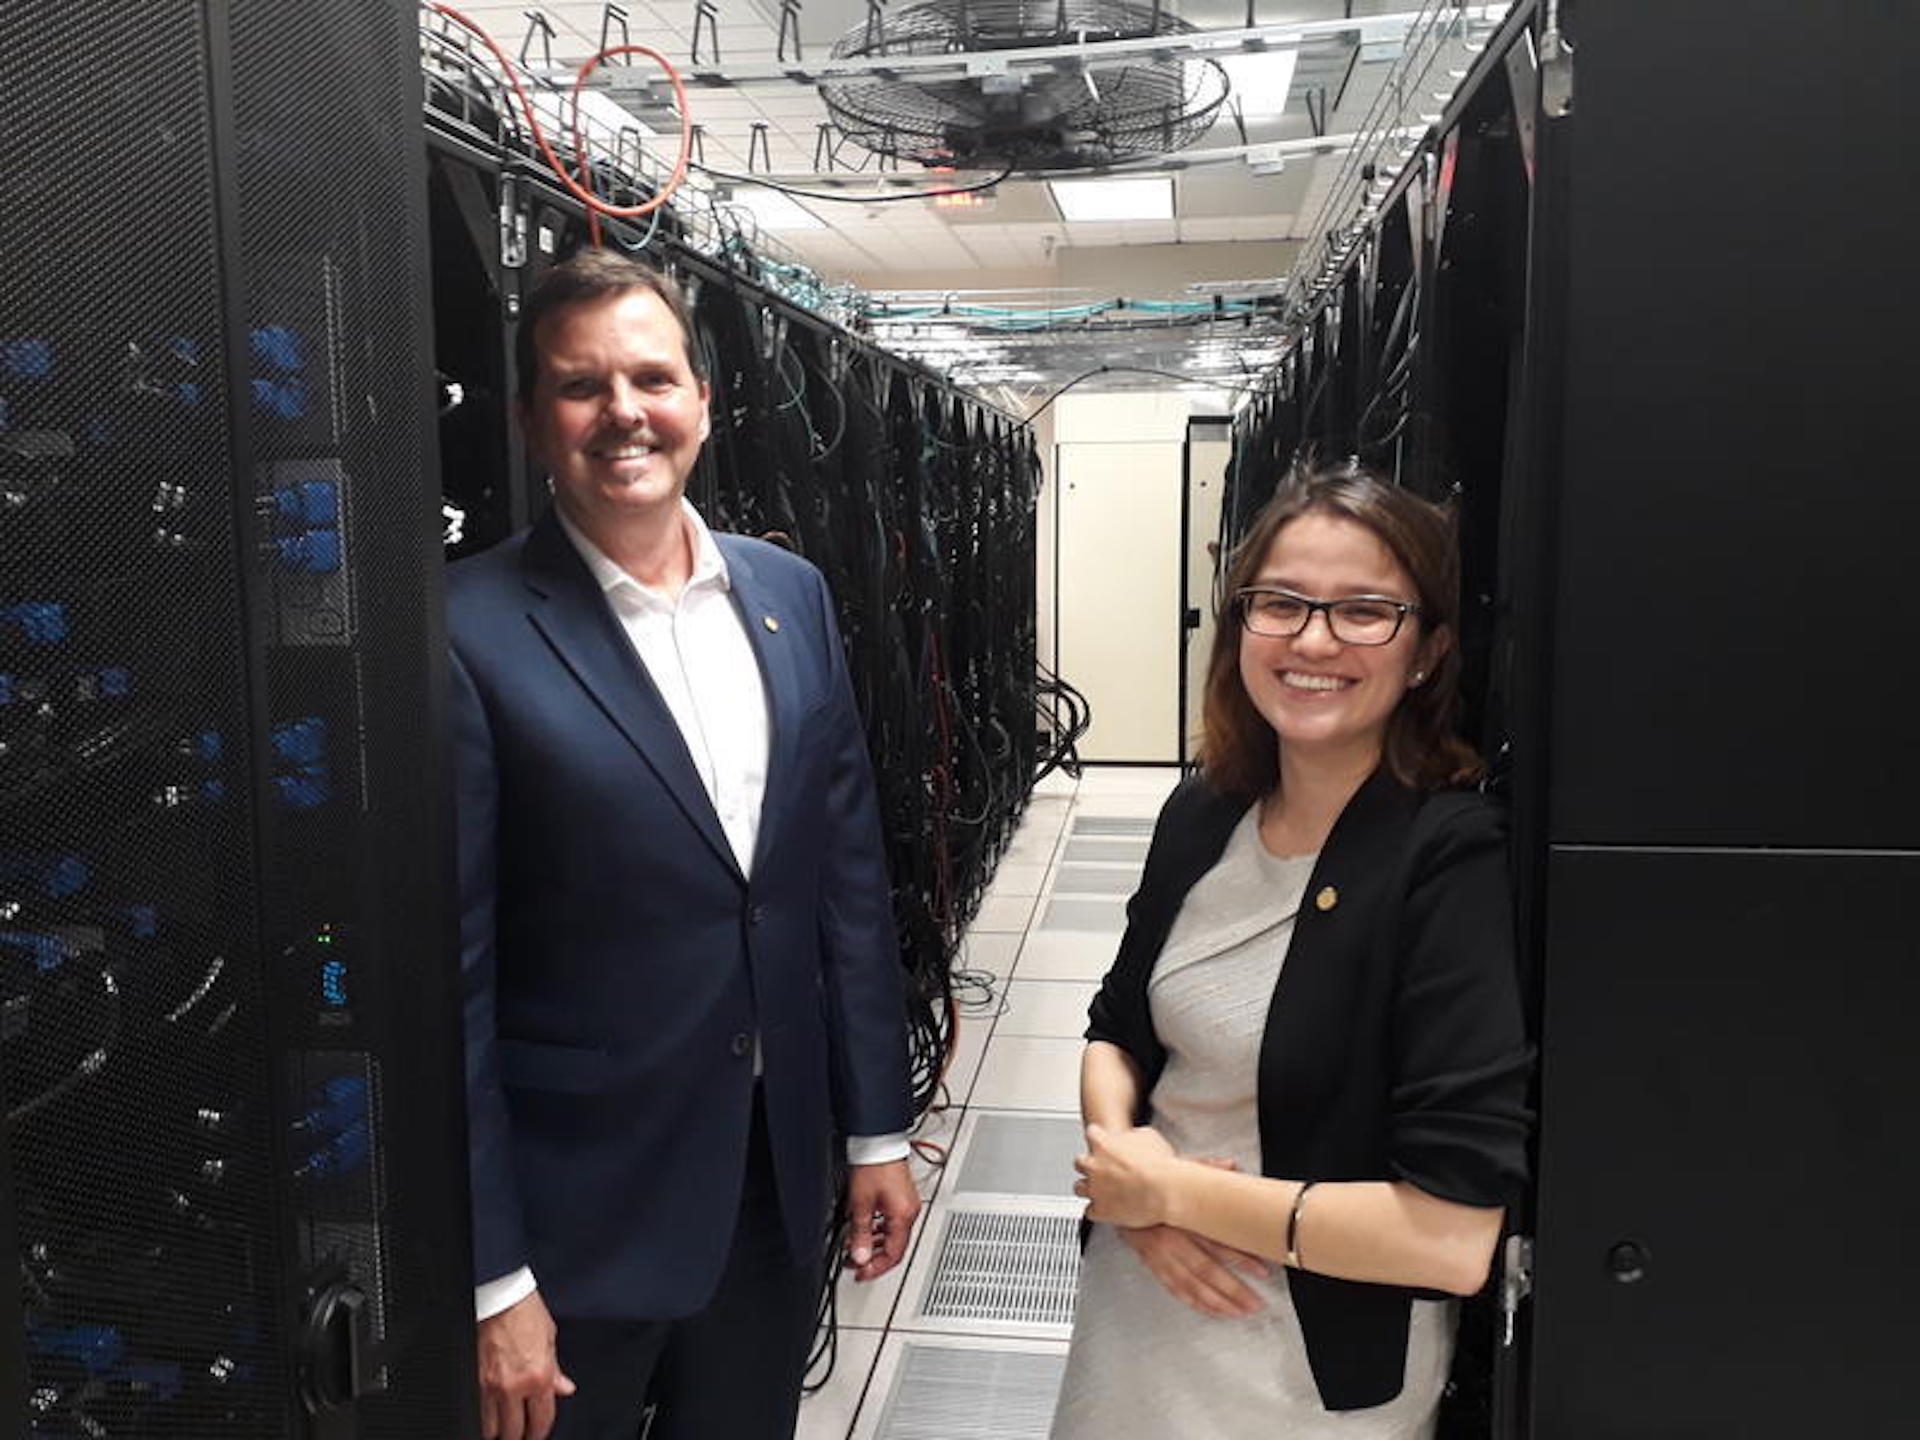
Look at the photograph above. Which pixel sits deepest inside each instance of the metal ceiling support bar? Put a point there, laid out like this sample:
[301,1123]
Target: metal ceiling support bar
[1198,44]
[825,147]
[537,24]
[789,26]
[759,149]
[1251,154]
[629,150]
[614,17]
[706,16]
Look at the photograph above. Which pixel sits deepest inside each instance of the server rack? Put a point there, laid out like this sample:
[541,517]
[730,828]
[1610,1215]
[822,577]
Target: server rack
[229,1054]
[915,499]
[1673,427]
[1732,853]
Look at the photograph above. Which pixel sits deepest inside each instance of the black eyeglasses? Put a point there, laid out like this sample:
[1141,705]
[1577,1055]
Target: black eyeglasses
[1354,620]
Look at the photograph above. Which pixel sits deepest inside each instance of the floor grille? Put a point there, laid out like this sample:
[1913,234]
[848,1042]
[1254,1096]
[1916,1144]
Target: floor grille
[1094,880]
[1112,825]
[1021,1155]
[944,1392]
[1006,1266]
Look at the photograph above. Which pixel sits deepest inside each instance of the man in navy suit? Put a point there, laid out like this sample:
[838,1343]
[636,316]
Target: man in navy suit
[682,984]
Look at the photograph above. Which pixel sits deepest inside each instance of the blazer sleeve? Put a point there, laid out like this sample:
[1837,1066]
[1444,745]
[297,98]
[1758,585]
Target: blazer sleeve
[859,947]
[499,1240]
[1462,1062]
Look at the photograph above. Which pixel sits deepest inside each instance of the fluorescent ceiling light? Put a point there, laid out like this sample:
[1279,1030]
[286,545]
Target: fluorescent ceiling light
[1147,198]
[775,210]
[1261,79]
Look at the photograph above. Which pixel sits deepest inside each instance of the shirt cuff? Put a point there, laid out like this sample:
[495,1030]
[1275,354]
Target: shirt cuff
[877,1149]
[490,1298]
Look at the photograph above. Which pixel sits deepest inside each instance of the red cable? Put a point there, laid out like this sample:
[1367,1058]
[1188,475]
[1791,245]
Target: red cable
[595,205]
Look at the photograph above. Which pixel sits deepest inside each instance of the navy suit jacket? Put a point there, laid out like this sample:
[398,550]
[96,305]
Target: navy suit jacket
[618,965]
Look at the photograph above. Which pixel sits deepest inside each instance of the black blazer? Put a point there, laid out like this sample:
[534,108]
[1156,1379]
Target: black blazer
[1394,1047]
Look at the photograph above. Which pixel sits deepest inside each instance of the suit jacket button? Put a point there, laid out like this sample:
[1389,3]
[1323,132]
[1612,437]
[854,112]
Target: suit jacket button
[756,915]
[741,1044]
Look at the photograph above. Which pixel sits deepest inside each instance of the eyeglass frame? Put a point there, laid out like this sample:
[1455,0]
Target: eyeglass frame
[1404,608]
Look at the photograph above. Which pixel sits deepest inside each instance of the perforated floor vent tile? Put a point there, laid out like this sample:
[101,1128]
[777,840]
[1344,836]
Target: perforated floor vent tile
[1108,852]
[1102,917]
[1021,1155]
[946,1393]
[1094,880]
[1112,825]
[1010,1267]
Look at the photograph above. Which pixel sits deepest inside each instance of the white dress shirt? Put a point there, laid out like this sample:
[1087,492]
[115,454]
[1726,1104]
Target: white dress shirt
[697,653]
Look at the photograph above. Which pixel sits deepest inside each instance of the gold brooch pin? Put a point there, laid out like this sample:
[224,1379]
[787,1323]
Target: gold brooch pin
[771,623]
[1327,898]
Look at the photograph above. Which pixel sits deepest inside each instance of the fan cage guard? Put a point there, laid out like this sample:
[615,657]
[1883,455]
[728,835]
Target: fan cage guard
[1066,119]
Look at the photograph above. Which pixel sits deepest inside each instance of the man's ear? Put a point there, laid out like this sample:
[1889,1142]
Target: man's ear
[706,410]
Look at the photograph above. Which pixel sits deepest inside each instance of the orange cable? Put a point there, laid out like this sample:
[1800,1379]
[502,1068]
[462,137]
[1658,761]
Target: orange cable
[595,205]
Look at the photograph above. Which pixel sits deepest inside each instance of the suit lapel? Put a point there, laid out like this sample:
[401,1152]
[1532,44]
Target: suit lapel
[774,630]
[570,611]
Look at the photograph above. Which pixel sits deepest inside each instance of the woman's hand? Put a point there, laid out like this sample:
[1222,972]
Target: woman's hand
[1125,1175]
[1197,1271]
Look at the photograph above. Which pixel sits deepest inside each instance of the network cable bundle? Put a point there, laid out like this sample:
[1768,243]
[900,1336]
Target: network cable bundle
[228,1054]
[916,500]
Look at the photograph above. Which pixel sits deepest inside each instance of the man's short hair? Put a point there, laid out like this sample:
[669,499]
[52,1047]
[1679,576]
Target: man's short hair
[594,275]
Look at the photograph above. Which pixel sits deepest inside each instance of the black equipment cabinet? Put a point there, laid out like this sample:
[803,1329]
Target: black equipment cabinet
[1722,316]
[234,1169]
[1642,306]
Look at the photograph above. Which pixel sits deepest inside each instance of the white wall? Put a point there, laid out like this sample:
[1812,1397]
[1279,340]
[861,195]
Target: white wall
[1115,478]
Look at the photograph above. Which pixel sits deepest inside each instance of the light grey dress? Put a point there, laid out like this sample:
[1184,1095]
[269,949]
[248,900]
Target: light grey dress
[1144,1364]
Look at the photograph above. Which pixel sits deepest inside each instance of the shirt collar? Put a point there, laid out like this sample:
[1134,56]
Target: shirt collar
[709,565]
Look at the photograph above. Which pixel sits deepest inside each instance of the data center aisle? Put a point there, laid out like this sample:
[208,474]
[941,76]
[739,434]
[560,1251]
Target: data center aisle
[966,1341]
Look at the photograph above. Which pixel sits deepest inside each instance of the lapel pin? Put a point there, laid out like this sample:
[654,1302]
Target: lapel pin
[1327,898]
[771,623]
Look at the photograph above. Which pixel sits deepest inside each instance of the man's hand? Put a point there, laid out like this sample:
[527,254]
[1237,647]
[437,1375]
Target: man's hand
[882,1204]
[519,1372]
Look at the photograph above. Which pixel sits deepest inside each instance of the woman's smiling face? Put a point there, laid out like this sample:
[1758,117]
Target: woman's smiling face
[1319,694]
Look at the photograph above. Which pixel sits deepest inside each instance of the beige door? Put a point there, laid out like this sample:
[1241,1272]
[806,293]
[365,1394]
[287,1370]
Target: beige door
[1209,447]
[1119,594]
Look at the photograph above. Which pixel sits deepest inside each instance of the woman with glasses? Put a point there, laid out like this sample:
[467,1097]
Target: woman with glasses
[1305,1080]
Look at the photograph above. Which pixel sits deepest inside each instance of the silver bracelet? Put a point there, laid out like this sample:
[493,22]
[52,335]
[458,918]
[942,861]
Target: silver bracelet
[1293,1225]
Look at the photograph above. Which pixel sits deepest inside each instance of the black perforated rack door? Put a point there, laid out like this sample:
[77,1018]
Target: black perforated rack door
[228,1054]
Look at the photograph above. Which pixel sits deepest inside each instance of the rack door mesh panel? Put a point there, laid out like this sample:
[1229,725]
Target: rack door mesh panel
[132,1040]
[332,247]
[227,1028]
